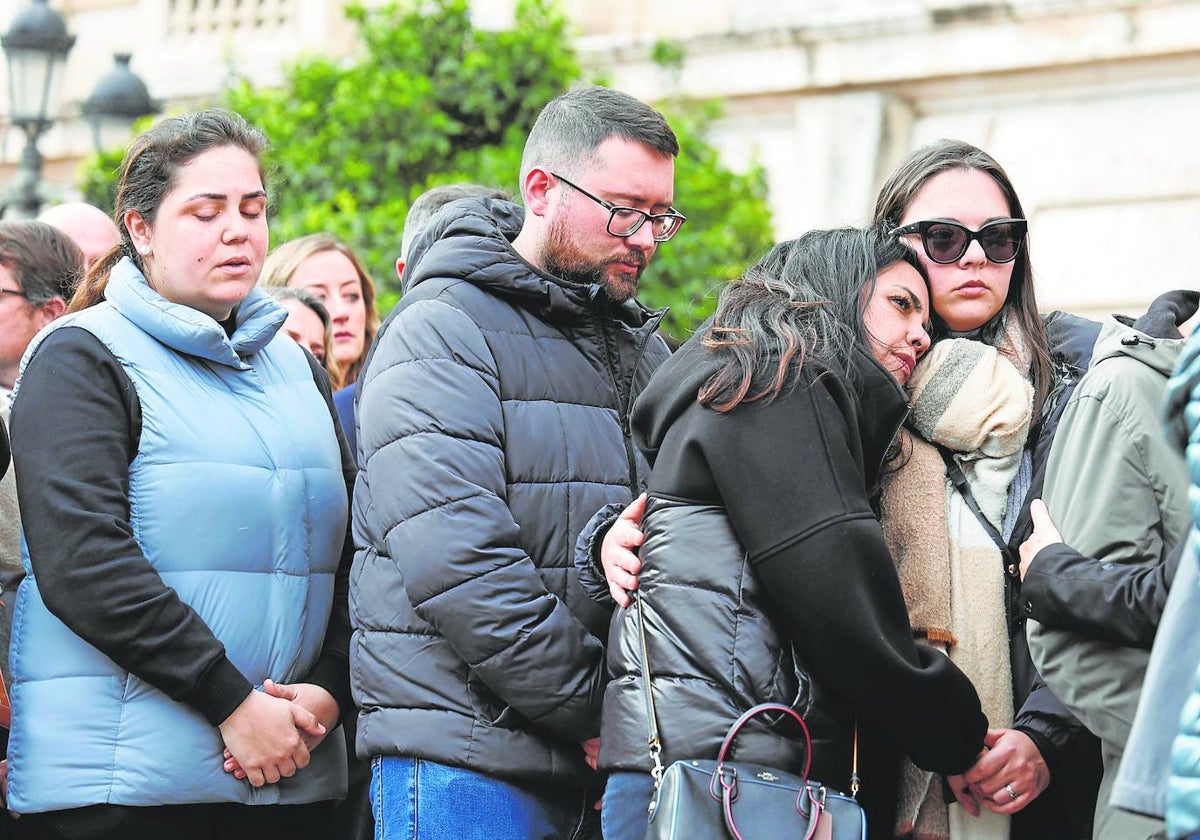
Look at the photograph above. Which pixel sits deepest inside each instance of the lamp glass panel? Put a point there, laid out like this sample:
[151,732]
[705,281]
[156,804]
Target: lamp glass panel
[29,74]
[109,132]
[35,84]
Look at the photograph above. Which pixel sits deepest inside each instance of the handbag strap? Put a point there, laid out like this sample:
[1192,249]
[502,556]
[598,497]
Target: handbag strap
[654,740]
[955,474]
[652,736]
[727,744]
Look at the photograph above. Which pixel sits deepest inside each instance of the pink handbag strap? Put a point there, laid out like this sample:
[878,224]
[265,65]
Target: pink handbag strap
[763,708]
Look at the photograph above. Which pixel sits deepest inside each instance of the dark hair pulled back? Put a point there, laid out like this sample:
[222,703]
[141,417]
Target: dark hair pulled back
[150,170]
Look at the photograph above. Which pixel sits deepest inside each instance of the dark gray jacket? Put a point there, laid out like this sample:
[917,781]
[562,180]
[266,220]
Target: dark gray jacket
[492,425]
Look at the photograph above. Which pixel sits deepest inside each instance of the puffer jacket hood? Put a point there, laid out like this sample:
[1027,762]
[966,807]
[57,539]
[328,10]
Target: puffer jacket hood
[670,394]
[675,390]
[472,239]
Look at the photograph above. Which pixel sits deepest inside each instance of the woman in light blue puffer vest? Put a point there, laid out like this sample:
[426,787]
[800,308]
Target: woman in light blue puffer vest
[180,644]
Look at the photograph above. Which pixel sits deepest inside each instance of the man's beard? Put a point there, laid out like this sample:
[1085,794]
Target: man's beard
[564,260]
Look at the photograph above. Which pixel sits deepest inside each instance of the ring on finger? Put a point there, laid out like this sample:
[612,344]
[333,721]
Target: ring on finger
[1011,792]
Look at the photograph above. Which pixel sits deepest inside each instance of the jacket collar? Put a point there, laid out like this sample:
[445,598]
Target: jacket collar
[189,331]
[883,407]
[471,239]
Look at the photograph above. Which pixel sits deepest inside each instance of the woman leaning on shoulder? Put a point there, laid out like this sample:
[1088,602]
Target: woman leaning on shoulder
[184,497]
[766,577]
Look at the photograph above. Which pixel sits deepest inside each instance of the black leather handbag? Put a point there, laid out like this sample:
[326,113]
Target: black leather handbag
[706,799]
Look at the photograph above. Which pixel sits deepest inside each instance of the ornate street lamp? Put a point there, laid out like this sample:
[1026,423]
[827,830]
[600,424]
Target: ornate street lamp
[119,98]
[36,46]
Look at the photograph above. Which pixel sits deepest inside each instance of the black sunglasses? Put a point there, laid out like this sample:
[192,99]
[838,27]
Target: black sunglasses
[626,221]
[946,242]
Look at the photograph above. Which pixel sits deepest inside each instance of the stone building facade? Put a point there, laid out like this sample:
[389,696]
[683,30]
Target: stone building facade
[1093,106]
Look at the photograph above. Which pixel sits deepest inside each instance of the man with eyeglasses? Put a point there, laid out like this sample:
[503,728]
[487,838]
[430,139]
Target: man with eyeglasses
[39,267]
[492,422]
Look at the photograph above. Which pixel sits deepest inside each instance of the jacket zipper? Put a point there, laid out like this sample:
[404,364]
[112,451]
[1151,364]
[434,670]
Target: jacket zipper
[625,394]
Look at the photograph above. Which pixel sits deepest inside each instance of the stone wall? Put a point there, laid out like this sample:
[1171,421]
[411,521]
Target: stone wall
[1093,106]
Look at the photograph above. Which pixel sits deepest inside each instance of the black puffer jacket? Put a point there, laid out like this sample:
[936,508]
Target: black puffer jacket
[492,424]
[761,540]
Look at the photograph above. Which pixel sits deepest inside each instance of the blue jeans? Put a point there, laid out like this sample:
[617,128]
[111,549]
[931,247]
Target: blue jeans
[623,815]
[414,799]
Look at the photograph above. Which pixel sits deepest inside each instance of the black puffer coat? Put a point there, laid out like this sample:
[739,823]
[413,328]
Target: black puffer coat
[766,578]
[492,425]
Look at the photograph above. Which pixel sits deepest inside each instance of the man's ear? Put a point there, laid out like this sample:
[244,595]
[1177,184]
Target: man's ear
[534,190]
[399,268]
[52,310]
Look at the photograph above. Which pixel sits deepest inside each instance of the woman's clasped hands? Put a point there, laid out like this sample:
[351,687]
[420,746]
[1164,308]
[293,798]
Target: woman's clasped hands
[1008,775]
[273,732]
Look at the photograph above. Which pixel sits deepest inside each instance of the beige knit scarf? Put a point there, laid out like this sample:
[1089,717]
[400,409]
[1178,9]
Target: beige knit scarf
[976,401]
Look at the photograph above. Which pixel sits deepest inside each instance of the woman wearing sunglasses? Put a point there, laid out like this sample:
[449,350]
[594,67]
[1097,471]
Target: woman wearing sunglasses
[985,403]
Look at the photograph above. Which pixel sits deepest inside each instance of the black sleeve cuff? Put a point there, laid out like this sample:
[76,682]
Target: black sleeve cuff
[221,690]
[1044,747]
[587,553]
[332,673]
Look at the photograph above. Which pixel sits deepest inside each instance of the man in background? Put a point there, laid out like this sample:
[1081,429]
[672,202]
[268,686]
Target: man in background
[39,267]
[89,227]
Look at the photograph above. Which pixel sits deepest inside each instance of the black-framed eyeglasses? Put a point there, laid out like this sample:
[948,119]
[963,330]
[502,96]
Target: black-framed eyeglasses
[946,242]
[16,292]
[626,221]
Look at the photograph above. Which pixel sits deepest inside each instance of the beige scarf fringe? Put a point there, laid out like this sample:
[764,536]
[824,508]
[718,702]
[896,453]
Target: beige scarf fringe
[973,400]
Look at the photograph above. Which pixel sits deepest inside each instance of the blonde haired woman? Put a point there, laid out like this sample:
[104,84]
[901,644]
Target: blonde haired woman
[327,268]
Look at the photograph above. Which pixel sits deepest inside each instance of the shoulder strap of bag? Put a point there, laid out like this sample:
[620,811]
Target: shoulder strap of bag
[955,474]
[652,734]
[653,739]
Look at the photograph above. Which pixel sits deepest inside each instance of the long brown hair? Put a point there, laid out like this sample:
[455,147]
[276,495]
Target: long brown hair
[149,172]
[804,299]
[902,187]
[282,263]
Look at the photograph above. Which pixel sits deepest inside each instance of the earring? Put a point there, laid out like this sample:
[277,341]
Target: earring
[145,250]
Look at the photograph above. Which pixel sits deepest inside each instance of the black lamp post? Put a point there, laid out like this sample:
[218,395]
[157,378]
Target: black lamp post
[36,46]
[118,99]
